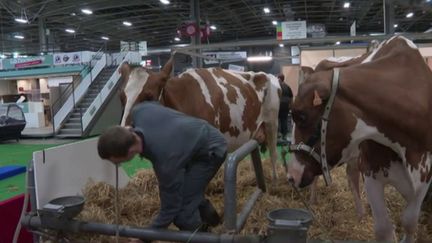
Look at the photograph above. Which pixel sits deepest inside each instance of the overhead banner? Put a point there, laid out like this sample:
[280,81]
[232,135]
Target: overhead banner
[142,48]
[225,56]
[67,58]
[353,29]
[25,62]
[291,30]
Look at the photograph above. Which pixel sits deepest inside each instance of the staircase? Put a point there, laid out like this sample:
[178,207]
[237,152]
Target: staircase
[72,125]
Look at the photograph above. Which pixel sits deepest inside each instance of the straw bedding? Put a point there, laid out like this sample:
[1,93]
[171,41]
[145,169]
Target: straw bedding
[335,213]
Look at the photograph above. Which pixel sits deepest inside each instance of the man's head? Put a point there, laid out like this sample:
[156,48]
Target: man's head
[119,144]
[281,78]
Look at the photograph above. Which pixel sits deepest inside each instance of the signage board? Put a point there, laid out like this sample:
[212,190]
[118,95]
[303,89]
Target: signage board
[67,58]
[225,56]
[291,30]
[25,62]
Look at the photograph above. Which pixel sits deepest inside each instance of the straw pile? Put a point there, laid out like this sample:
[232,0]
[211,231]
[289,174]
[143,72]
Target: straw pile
[335,213]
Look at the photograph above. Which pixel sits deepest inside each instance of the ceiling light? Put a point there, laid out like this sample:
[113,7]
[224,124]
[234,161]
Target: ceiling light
[21,20]
[337,43]
[347,5]
[86,11]
[104,38]
[259,59]
[266,10]
[376,34]
[166,2]
[127,23]
[42,54]
[176,39]
[427,1]
[2,56]
[70,30]
[15,54]
[213,27]
[281,45]
[274,22]
[409,15]
[395,25]
[19,37]
[73,14]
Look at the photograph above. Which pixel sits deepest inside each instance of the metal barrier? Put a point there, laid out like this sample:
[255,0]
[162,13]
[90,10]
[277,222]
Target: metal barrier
[232,222]
[34,222]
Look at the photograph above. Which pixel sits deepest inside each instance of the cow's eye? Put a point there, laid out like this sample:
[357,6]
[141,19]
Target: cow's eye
[299,117]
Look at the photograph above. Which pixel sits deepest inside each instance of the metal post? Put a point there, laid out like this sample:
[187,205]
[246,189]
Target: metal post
[196,39]
[230,194]
[389,14]
[256,161]
[52,119]
[247,208]
[31,192]
[42,36]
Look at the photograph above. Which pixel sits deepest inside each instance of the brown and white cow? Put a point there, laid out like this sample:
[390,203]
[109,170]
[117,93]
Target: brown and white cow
[352,170]
[243,105]
[381,110]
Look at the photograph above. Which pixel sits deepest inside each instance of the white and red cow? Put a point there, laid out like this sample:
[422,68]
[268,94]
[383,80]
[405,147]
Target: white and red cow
[353,173]
[380,111]
[243,105]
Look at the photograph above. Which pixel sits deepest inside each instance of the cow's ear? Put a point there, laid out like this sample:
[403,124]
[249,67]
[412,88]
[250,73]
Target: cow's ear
[167,68]
[305,72]
[317,99]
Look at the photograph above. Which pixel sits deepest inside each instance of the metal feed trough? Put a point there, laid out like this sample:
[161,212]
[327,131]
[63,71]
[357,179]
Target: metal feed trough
[58,214]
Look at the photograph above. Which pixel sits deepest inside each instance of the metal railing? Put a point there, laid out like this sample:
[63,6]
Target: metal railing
[232,221]
[105,91]
[70,89]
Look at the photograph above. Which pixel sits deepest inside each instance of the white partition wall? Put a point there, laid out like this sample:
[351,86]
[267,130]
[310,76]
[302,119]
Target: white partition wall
[65,170]
[311,58]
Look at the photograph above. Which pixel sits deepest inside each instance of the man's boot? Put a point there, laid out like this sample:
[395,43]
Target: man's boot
[208,213]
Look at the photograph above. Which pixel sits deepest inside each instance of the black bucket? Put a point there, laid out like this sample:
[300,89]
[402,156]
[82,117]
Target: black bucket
[60,210]
[288,225]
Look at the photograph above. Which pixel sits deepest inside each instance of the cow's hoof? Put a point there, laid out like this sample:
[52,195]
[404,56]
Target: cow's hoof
[407,239]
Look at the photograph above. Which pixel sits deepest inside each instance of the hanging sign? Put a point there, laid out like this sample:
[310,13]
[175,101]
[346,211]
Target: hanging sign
[142,48]
[291,30]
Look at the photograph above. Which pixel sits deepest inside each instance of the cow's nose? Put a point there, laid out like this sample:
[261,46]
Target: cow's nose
[291,180]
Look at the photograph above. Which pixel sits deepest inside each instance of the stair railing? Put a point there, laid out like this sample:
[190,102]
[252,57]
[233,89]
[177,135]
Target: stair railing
[108,88]
[65,96]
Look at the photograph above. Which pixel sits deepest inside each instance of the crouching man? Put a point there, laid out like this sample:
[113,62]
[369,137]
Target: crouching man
[185,152]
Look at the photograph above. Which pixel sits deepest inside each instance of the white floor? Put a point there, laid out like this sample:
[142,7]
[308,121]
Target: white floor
[38,132]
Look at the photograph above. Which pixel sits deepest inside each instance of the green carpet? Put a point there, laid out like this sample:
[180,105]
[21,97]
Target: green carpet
[16,154]
[20,154]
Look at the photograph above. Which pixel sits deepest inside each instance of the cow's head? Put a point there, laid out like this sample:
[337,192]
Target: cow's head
[141,85]
[307,111]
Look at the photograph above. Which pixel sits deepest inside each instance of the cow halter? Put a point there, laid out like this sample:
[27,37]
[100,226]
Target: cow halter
[308,148]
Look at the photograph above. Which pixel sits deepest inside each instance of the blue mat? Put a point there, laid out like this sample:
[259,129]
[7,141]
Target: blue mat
[11,170]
